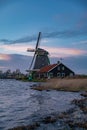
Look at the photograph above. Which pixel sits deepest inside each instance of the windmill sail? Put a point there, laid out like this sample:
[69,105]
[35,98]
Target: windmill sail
[32,62]
[40,58]
[34,50]
[38,41]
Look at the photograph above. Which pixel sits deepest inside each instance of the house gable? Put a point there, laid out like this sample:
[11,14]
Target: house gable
[55,70]
[61,70]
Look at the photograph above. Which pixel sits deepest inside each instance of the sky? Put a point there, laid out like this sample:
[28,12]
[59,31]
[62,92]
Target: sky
[63,27]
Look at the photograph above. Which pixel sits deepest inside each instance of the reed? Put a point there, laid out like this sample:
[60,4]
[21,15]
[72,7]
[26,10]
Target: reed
[64,85]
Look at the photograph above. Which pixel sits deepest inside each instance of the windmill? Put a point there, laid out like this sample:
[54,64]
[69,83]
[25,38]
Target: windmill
[40,57]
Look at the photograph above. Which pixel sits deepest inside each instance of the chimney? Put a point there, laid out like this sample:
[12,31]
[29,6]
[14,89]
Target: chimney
[58,62]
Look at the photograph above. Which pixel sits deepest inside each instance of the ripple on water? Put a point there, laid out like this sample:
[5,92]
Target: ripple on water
[21,105]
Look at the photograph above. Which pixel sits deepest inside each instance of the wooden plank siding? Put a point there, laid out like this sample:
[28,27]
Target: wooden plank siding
[55,70]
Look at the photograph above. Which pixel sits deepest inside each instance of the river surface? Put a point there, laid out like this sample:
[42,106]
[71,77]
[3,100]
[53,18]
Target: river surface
[20,105]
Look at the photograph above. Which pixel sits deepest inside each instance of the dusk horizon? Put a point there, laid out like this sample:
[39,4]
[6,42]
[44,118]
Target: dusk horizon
[43,64]
[22,62]
[63,27]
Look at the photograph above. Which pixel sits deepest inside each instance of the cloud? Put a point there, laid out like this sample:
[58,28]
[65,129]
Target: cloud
[16,49]
[64,52]
[3,67]
[53,51]
[17,61]
[4,57]
[51,34]
[5,41]
[80,43]
[78,64]
[65,34]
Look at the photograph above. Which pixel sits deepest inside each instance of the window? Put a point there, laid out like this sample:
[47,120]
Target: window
[58,67]
[71,75]
[63,74]
[51,75]
[58,75]
[63,68]
[45,75]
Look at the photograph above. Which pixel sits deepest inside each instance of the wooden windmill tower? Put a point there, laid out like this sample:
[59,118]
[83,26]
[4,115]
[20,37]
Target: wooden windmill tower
[40,58]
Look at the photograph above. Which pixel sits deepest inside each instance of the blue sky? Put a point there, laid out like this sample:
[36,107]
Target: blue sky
[63,24]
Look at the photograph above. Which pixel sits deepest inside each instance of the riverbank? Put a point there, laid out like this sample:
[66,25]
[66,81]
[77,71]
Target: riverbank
[66,84]
[75,118]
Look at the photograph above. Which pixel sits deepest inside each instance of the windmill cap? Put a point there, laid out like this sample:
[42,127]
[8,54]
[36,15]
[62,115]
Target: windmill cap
[42,51]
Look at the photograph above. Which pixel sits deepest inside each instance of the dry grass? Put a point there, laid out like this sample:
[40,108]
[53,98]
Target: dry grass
[64,84]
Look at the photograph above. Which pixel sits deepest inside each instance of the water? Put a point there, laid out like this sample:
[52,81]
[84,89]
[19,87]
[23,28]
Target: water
[20,105]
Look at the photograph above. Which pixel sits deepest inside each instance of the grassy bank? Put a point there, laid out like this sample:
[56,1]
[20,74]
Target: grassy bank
[64,84]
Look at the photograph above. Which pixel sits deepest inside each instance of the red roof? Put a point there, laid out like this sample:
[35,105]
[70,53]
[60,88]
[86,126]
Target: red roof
[47,68]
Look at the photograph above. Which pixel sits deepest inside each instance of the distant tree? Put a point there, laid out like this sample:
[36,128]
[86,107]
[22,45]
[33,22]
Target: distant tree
[1,72]
[18,71]
[8,71]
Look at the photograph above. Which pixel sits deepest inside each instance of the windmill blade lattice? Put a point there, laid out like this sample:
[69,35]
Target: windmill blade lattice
[36,49]
[37,44]
[32,61]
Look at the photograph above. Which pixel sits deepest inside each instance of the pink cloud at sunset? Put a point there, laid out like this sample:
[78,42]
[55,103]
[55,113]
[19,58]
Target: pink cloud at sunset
[2,67]
[4,57]
[54,52]
[15,48]
[65,52]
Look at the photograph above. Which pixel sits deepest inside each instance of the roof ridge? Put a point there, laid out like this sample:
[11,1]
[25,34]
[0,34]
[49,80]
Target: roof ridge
[47,68]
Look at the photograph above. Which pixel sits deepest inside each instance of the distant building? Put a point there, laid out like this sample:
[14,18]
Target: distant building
[55,70]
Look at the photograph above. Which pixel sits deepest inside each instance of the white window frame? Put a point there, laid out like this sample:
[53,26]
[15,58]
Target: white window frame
[58,74]
[51,75]
[62,74]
